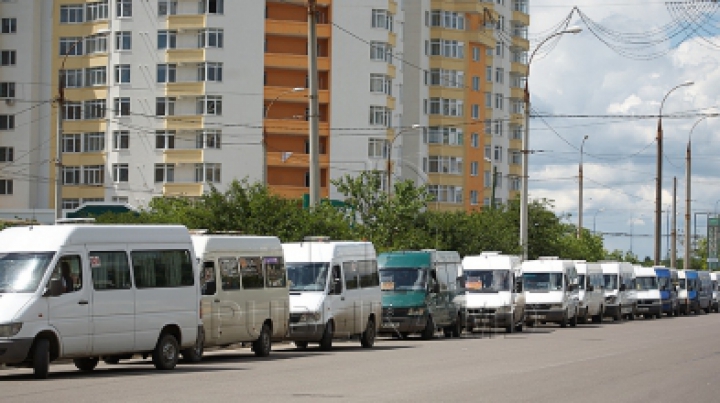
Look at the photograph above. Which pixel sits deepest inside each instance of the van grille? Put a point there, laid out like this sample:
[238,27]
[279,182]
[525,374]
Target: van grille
[389,312]
[533,307]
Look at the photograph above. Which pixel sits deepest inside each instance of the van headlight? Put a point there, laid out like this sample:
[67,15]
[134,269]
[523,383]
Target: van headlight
[310,317]
[416,312]
[10,330]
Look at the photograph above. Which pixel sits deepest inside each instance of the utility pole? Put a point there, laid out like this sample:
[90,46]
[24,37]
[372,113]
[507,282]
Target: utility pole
[494,184]
[58,145]
[673,234]
[314,108]
[580,190]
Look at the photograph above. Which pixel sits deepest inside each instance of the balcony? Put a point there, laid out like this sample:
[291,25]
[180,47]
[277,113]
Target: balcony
[295,28]
[86,93]
[84,126]
[183,189]
[516,170]
[186,21]
[286,94]
[520,42]
[185,89]
[293,127]
[81,62]
[290,61]
[517,93]
[76,159]
[83,192]
[294,160]
[183,156]
[192,55]
[521,17]
[519,68]
[184,122]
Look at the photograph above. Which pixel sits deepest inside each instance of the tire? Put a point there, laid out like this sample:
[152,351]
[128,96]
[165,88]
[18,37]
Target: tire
[658,316]
[519,327]
[263,344]
[429,331]
[86,364]
[457,327]
[111,360]
[564,321]
[166,353]
[367,339]
[618,316]
[301,345]
[41,359]
[510,329]
[574,321]
[194,355]
[597,318]
[447,332]
[326,341]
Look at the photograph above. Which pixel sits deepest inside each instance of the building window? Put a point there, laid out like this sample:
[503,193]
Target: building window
[498,153]
[94,109]
[123,40]
[120,199]
[71,175]
[95,77]
[6,186]
[499,101]
[72,111]
[207,173]
[381,51]
[122,74]
[488,152]
[210,38]
[476,83]
[71,143]
[475,140]
[380,115]
[164,173]
[72,78]
[7,122]
[377,148]
[447,78]
[515,183]
[446,107]
[499,75]
[212,6]
[476,54]
[122,106]
[382,19]
[446,194]
[7,90]
[9,25]
[167,39]
[121,140]
[474,197]
[447,48]
[445,135]
[474,168]
[166,73]
[164,140]
[6,154]
[96,11]
[500,47]
[167,7]
[381,84]
[93,174]
[209,105]
[210,72]
[121,173]
[93,142]
[488,100]
[8,58]
[72,14]
[70,204]
[475,111]
[124,8]
[96,44]
[487,179]
[165,106]
[445,165]
[208,139]
[447,19]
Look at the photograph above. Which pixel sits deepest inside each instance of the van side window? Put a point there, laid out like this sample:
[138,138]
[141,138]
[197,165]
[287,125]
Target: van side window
[351,275]
[69,270]
[335,276]
[229,274]
[252,274]
[110,270]
[274,272]
[162,268]
[208,284]
[369,276]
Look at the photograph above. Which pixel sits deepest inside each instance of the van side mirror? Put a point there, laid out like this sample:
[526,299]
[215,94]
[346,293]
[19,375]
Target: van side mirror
[590,288]
[435,288]
[337,286]
[518,286]
[663,288]
[622,287]
[461,282]
[55,288]
[210,288]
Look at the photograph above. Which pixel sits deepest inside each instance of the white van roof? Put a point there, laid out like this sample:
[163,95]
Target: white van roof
[584,267]
[617,267]
[47,238]
[491,261]
[236,244]
[301,252]
[549,266]
[641,271]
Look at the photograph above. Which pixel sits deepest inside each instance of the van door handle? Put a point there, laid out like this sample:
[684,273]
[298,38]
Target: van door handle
[82,302]
[217,300]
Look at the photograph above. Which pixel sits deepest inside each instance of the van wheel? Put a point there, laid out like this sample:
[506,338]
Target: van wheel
[367,339]
[618,316]
[301,345]
[519,327]
[457,327]
[326,341]
[112,360]
[86,364]
[263,344]
[194,354]
[574,321]
[564,321]
[165,355]
[41,359]
[429,331]
[510,329]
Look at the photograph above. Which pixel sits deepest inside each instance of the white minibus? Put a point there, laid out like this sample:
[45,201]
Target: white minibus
[244,290]
[590,291]
[550,288]
[87,292]
[620,300]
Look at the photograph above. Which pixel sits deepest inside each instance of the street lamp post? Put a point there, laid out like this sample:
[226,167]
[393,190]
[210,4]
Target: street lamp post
[687,256]
[580,191]
[525,144]
[658,184]
[388,162]
[60,100]
[595,217]
[264,131]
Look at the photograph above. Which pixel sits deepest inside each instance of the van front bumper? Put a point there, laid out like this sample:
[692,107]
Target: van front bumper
[14,351]
[649,309]
[306,331]
[544,315]
[474,318]
[612,310]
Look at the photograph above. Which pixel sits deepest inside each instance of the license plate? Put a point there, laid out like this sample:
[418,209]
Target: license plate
[537,316]
[390,324]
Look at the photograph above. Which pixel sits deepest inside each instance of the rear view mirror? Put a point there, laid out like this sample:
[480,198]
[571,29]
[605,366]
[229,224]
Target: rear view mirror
[622,287]
[55,288]
[436,288]
[518,286]
[461,282]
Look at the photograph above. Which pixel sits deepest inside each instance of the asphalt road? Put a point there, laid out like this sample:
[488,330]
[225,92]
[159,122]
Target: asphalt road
[668,360]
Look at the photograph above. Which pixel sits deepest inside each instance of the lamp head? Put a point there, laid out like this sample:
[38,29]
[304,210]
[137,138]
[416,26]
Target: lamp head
[687,83]
[572,30]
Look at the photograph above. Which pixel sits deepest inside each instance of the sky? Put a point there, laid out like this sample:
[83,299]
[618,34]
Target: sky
[601,75]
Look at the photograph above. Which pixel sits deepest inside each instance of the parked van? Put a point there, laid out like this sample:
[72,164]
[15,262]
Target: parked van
[87,292]
[244,290]
[590,291]
[714,284]
[704,291]
[649,298]
[687,291]
[418,293]
[492,296]
[550,289]
[334,292]
[667,283]
[620,300]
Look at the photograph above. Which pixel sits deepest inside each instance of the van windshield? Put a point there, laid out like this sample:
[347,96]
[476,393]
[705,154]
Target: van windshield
[307,276]
[22,272]
[681,283]
[581,281]
[542,281]
[487,280]
[646,283]
[611,281]
[403,279]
